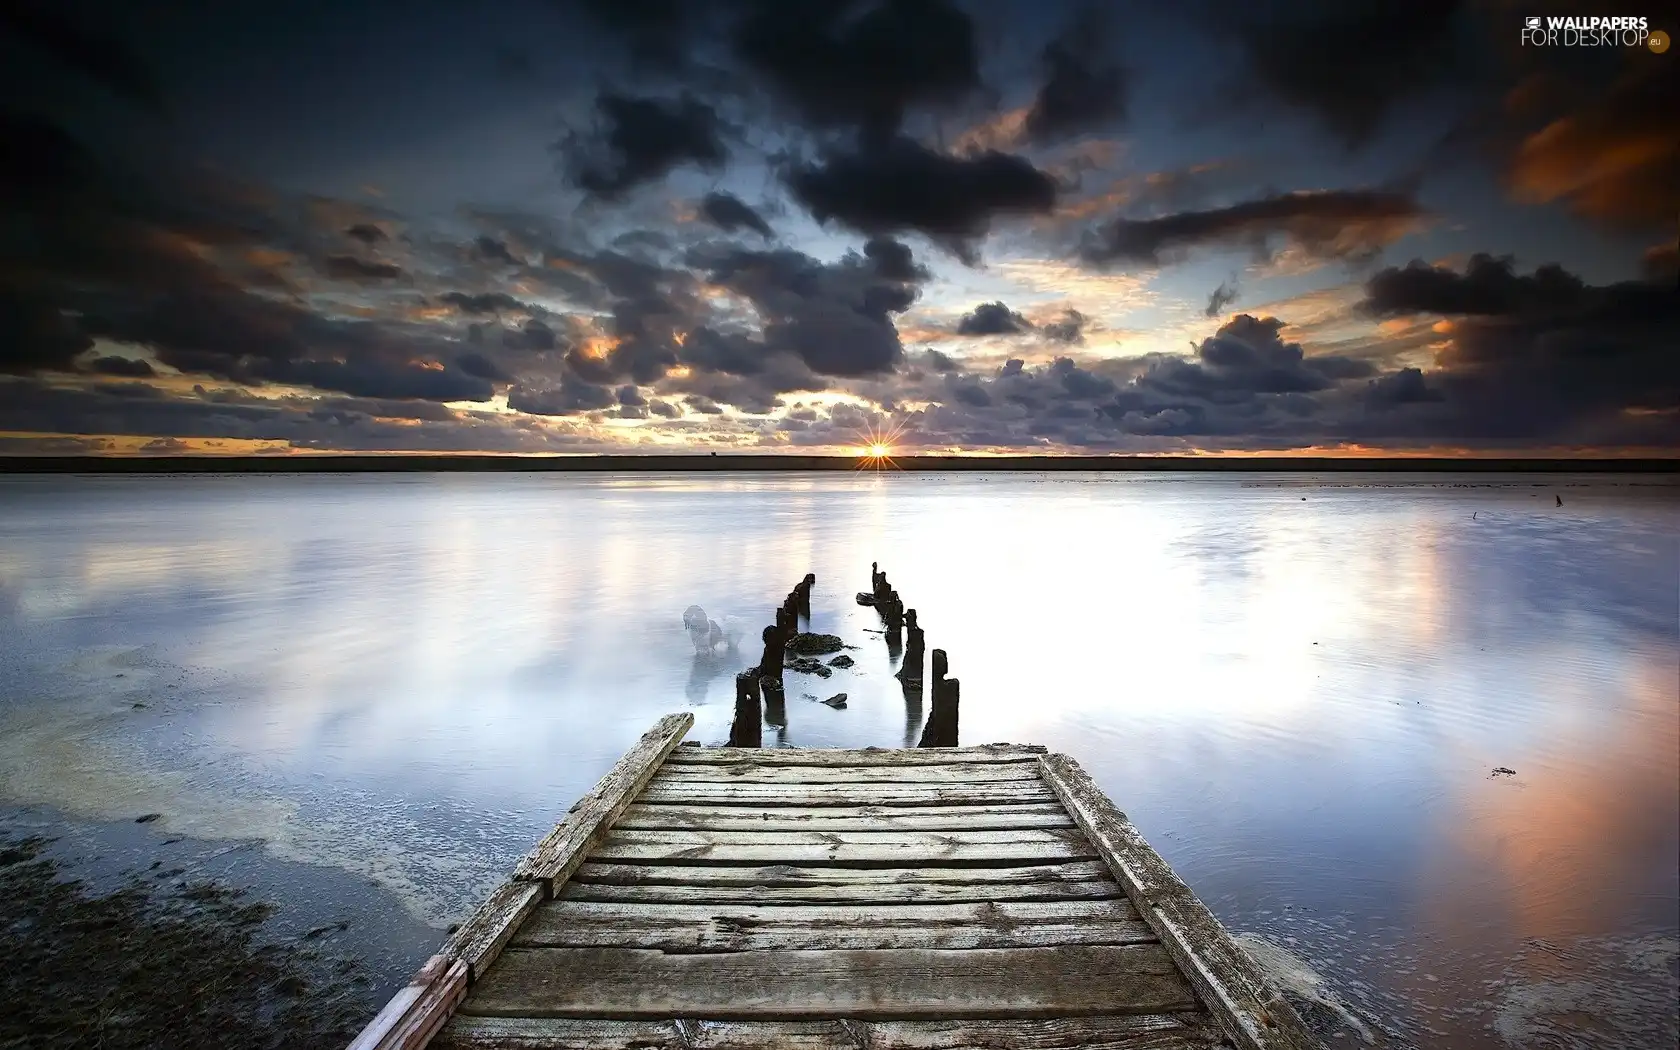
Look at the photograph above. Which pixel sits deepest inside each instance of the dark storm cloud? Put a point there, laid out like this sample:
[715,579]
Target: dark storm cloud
[570,397]
[1084,87]
[492,250]
[941,362]
[836,318]
[1068,328]
[127,367]
[1542,356]
[992,319]
[657,32]
[478,366]
[1488,287]
[366,232]
[1350,64]
[729,213]
[351,268]
[904,186]
[893,261]
[35,335]
[839,65]
[1245,357]
[1405,387]
[1220,298]
[1324,223]
[534,336]
[483,302]
[638,140]
[96,55]
[1614,159]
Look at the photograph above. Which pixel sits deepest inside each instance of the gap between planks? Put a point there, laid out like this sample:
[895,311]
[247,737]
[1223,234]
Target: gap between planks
[1185,1031]
[671,817]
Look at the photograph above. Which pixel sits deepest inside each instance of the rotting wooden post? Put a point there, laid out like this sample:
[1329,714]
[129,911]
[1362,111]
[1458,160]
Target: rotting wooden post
[941,728]
[915,652]
[941,665]
[805,586]
[775,647]
[748,727]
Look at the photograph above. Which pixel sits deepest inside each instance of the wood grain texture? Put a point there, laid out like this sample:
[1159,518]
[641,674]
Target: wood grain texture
[643,817]
[1251,1010]
[900,983]
[819,756]
[798,875]
[764,773]
[416,1013]
[892,848]
[857,893]
[724,927]
[1142,1032]
[716,793]
[486,932]
[563,849]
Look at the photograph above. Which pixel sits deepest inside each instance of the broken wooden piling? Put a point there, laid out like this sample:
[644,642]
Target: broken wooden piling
[747,730]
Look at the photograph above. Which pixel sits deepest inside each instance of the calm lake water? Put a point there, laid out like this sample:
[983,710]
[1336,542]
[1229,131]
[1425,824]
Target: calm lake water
[1297,687]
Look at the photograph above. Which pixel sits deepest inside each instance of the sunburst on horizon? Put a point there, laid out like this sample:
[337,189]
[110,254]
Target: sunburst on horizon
[877,447]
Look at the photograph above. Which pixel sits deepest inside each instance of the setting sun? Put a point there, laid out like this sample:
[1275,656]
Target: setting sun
[878,451]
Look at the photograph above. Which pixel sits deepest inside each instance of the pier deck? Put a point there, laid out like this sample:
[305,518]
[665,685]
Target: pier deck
[832,900]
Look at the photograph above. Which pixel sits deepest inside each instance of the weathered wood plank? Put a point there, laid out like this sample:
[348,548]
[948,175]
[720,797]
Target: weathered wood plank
[644,817]
[482,937]
[629,983]
[416,1013]
[714,793]
[724,927]
[558,855]
[899,848]
[773,875]
[1252,1011]
[856,893]
[873,756]
[1190,1031]
[764,773]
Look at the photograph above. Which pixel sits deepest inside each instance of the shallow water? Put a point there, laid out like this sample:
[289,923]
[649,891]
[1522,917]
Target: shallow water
[1298,688]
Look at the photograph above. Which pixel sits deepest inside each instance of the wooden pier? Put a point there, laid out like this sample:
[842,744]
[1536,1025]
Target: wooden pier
[813,899]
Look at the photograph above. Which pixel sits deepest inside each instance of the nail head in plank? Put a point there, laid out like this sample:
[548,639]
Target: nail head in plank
[898,848]
[665,817]
[869,756]
[562,850]
[482,937]
[797,985]
[416,1013]
[1252,1011]
[1187,1031]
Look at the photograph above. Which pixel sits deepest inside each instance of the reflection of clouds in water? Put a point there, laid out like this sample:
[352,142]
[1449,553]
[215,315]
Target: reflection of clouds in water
[81,753]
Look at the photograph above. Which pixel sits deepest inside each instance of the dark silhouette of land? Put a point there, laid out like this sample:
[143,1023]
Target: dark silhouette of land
[362,464]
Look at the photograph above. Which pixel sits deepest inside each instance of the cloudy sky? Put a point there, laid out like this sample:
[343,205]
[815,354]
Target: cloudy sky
[761,225]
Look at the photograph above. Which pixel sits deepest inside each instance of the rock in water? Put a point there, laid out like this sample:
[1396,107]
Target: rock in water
[808,665]
[841,661]
[865,598]
[815,644]
[837,701]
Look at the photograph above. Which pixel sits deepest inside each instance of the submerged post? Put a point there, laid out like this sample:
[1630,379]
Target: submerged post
[747,729]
